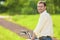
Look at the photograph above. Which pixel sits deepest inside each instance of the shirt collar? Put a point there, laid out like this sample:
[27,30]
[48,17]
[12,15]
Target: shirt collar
[44,12]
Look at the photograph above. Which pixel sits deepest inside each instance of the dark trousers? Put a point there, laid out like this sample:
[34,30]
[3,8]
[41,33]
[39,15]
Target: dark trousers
[45,38]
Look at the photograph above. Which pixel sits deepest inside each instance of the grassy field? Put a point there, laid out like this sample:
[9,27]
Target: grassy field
[5,34]
[30,22]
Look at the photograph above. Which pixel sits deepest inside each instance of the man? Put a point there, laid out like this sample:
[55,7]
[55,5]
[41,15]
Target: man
[44,27]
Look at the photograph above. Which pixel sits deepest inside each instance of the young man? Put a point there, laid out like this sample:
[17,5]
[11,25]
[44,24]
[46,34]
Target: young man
[44,27]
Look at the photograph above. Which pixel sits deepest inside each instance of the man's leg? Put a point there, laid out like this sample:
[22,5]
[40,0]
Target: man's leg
[49,38]
[45,38]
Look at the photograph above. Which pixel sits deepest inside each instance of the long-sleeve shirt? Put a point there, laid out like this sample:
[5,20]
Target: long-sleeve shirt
[44,26]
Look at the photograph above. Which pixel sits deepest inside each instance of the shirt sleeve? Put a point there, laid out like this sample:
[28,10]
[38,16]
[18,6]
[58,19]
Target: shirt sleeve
[40,24]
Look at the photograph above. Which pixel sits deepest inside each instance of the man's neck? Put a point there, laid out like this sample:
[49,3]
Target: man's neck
[43,12]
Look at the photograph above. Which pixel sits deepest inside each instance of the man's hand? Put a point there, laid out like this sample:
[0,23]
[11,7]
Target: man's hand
[33,36]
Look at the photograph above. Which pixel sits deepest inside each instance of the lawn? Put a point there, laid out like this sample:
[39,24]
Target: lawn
[30,22]
[6,34]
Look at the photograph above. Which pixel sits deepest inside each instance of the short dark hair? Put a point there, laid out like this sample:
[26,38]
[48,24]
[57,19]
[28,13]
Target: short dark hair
[42,2]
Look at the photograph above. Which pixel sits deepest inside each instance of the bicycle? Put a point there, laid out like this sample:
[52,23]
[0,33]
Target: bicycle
[40,38]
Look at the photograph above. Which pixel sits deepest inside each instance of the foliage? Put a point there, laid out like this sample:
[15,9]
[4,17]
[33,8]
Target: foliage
[29,6]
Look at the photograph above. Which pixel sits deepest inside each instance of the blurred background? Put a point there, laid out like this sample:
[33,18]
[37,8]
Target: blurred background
[13,7]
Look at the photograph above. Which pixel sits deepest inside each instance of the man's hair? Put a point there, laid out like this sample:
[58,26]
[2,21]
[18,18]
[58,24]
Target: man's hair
[43,2]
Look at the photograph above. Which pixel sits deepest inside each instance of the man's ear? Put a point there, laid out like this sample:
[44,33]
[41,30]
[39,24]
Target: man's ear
[45,7]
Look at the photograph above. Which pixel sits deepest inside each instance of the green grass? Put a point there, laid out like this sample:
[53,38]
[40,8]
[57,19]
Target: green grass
[5,34]
[30,22]
[56,22]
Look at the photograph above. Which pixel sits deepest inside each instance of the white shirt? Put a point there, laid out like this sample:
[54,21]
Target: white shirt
[44,26]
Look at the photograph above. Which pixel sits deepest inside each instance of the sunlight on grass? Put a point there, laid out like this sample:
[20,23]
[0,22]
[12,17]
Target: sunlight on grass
[56,22]
[27,21]
[5,34]
[30,22]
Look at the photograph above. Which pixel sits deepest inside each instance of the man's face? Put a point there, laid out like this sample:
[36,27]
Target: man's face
[41,7]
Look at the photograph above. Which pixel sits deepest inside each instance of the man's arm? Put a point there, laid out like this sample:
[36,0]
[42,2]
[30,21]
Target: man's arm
[39,26]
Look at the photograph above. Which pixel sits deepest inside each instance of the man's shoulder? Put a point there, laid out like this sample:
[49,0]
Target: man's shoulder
[47,14]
